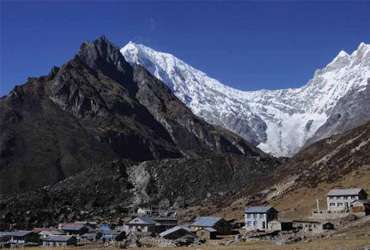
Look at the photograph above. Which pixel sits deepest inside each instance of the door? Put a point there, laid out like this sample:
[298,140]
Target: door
[263,225]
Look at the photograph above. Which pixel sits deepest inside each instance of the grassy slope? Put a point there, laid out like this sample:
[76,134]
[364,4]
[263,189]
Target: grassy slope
[299,203]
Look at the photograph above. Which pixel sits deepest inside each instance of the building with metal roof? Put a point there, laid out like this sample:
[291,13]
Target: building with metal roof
[218,224]
[340,199]
[258,217]
[176,233]
[59,241]
[258,209]
[345,191]
[142,224]
[206,221]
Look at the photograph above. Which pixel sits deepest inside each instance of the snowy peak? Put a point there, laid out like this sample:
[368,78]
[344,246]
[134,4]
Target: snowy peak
[278,121]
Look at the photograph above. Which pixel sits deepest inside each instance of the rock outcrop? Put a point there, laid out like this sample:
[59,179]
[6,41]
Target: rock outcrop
[93,109]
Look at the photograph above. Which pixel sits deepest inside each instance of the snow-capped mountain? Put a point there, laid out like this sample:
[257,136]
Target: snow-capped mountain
[278,121]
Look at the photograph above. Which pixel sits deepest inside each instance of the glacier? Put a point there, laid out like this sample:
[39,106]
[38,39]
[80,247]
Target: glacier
[279,122]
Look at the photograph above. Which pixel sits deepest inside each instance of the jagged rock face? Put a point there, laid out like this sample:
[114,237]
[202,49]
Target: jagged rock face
[279,121]
[110,190]
[94,109]
[351,111]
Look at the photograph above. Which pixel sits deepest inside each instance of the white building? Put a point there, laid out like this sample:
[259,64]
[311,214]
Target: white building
[340,200]
[142,224]
[59,241]
[258,217]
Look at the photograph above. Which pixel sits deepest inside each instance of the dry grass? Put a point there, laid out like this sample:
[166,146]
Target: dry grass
[322,244]
[299,203]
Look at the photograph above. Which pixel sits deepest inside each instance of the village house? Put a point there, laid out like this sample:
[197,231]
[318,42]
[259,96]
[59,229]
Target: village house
[142,224]
[22,238]
[89,237]
[360,207]
[206,233]
[307,226]
[59,241]
[73,228]
[280,225]
[258,217]
[176,232]
[156,212]
[89,224]
[220,225]
[340,200]
[45,232]
[164,223]
[4,240]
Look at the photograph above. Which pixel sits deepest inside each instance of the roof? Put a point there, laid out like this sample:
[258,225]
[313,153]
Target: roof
[89,235]
[209,229]
[51,232]
[174,229]
[58,238]
[258,209]
[4,234]
[72,226]
[344,191]
[40,229]
[105,229]
[206,221]
[142,220]
[19,233]
[306,221]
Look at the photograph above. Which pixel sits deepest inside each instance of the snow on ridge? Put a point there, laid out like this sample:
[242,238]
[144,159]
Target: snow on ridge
[280,121]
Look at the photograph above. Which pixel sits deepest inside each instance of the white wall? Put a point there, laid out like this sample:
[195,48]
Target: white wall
[340,203]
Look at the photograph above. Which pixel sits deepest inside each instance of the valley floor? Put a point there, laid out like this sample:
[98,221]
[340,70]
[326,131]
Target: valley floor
[354,238]
[324,244]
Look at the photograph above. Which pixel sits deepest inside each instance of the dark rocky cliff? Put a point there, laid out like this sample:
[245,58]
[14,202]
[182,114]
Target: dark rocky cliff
[97,137]
[97,108]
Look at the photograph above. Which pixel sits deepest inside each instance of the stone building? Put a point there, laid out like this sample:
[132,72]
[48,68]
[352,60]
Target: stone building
[340,200]
[361,207]
[219,225]
[258,217]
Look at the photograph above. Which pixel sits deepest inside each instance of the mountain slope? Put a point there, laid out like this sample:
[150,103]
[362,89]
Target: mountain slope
[341,160]
[97,108]
[278,121]
[114,189]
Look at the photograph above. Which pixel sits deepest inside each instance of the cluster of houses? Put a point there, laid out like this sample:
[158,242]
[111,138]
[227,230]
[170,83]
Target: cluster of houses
[340,203]
[164,225]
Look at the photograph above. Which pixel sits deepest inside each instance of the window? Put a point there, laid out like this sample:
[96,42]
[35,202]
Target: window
[339,204]
[262,216]
[249,216]
[254,223]
[255,216]
[332,204]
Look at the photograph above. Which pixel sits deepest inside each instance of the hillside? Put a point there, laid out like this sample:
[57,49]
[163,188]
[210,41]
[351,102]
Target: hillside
[339,161]
[93,109]
[98,137]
